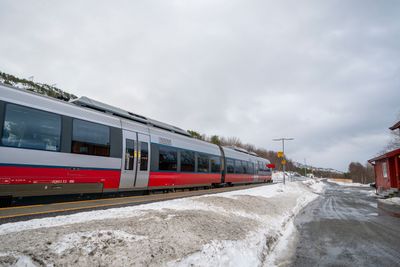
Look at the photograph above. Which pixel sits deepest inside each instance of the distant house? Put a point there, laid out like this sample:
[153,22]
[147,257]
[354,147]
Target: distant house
[387,169]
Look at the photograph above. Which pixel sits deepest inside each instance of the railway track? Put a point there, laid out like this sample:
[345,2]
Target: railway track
[21,213]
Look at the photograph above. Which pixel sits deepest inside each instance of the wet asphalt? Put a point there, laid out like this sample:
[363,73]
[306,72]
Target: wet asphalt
[344,227]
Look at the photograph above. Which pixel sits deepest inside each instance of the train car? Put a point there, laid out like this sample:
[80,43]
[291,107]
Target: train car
[243,167]
[263,170]
[161,156]
[179,161]
[53,147]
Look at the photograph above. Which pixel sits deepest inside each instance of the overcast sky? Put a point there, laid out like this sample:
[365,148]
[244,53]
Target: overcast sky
[324,72]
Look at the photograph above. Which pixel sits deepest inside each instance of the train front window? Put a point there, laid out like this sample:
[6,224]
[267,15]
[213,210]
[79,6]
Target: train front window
[90,138]
[31,128]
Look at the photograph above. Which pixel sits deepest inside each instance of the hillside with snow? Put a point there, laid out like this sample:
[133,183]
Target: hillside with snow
[40,88]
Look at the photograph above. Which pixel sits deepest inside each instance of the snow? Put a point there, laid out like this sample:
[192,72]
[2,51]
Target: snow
[316,185]
[17,260]
[348,184]
[91,240]
[282,247]
[237,228]
[392,201]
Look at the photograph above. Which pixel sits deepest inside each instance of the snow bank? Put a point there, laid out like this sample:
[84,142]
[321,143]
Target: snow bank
[391,201]
[316,185]
[237,228]
[348,184]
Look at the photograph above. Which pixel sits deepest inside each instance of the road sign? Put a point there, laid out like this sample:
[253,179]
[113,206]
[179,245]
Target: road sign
[283,161]
[280,154]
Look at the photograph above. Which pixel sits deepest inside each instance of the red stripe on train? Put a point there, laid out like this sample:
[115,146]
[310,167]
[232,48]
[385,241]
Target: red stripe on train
[240,178]
[236,178]
[181,178]
[40,175]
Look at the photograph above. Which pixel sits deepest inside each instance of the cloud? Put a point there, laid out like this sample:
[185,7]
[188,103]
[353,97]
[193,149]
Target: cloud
[325,73]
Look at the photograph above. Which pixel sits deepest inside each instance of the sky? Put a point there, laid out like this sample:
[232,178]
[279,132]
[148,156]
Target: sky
[325,73]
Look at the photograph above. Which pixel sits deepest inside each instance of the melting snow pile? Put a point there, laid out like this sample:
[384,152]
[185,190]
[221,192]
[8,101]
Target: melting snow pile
[237,228]
[348,184]
[391,201]
[316,185]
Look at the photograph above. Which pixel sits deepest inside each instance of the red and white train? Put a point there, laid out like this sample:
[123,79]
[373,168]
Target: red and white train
[53,147]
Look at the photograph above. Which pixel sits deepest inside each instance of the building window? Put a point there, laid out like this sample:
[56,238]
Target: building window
[202,163]
[215,164]
[230,166]
[31,128]
[129,154]
[144,156]
[90,138]
[384,169]
[168,159]
[187,161]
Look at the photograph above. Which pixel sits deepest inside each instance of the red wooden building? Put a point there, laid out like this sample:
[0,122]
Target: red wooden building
[387,169]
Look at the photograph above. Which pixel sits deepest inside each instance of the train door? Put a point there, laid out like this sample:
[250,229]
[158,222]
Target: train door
[129,164]
[143,165]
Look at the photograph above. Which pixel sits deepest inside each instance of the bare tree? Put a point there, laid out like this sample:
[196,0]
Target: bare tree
[234,141]
[394,142]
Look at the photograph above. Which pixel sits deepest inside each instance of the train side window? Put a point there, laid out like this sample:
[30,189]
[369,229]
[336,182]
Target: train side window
[215,164]
[144,156]
[187,161]
[202,163]
[260,167]
[230,166]
[31,128]
[90,138]
[168,159]
[129,154]
[238,166]
[244,167]
[250,167]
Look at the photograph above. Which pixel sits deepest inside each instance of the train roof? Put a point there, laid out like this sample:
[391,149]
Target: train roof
[35,100]
[239,149]
[115,111]
[237,152]
[98,107]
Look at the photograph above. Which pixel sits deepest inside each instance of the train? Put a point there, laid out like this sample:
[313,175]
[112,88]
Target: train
[83,146]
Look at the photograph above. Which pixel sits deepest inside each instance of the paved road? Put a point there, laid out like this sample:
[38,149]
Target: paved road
[344,227]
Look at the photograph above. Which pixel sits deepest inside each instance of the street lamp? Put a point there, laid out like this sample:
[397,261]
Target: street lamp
[283,139]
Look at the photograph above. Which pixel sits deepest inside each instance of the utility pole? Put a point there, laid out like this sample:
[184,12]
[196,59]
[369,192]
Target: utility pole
[305,168]
[283,139]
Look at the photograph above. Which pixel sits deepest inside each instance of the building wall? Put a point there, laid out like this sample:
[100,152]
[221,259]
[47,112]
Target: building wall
[381,181]
[392,179]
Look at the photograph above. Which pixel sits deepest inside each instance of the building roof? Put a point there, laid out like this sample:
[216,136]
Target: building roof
[395,126]
[386,155]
